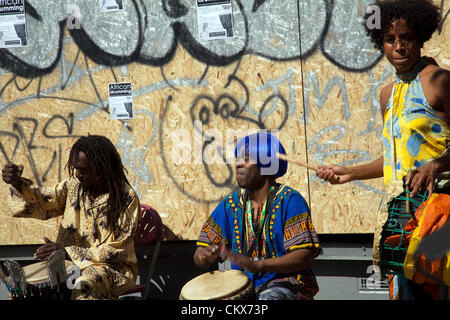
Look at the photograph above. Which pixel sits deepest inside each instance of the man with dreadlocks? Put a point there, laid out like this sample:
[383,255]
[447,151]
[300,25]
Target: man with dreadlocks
[99,217]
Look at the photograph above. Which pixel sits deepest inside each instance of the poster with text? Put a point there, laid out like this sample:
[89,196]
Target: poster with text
[13,29]
[121,101]
[214,19]
[111,5]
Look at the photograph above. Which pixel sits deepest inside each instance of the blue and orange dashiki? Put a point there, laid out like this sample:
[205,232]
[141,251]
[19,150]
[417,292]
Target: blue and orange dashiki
[289,227]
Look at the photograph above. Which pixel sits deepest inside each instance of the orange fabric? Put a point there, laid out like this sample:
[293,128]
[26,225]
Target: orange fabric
[432,289]
[394,240]
[436,214]
[409,229]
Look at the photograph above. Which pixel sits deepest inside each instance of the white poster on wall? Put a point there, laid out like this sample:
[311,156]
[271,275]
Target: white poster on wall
[13,29]
[214,19]
[111,5]
[121,101]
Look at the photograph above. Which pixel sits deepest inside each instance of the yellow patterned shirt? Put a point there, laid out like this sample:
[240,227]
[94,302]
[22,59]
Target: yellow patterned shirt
[413,133]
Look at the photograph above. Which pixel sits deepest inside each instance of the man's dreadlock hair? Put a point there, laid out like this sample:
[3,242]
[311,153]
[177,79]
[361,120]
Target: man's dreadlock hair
[104,158]
[422,16]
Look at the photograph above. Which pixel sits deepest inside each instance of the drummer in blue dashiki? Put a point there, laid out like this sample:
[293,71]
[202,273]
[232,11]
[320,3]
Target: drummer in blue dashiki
[264,227]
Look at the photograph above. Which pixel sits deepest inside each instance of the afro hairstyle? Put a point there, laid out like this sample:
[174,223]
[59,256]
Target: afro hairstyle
[422,16]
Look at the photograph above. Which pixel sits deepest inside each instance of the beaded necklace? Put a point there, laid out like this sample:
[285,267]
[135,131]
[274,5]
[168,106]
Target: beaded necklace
[257,225]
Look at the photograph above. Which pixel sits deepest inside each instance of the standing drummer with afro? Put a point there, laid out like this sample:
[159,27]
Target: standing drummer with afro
[416,115]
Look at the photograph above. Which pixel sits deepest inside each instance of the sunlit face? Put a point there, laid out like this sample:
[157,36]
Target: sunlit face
[84,172]
[401,46]
[248,174]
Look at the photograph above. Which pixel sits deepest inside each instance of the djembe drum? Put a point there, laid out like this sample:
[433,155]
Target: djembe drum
[219,285]
[394,240]
[44,280]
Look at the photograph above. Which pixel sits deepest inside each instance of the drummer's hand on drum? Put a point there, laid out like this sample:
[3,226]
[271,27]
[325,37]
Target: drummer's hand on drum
[205,256]
[334,174]
[253,266]
[43,252]
[11,174]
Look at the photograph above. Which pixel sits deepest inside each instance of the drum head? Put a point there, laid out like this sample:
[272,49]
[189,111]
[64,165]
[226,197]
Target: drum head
[37,272]
[215,285]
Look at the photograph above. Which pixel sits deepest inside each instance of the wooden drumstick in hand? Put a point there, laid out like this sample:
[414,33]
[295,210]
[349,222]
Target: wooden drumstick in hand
[300,163]
[411,172]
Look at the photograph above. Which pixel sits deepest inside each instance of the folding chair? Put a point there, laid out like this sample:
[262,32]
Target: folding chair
[149,232]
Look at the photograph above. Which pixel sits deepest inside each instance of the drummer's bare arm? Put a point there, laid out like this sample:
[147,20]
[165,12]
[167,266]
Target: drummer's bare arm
[370,170]
[437,89]
[291,262]
[338,174]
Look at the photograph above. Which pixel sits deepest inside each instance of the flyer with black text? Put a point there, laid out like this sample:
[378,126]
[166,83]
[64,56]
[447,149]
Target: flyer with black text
[121,101]
[13,29]
[215,19]
[111,5]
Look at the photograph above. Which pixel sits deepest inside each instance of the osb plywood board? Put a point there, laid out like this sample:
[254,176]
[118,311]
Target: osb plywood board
[186,91]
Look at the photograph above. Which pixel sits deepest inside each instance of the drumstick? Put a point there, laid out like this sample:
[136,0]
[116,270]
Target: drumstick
[407,207]
[413,169]
[300,163]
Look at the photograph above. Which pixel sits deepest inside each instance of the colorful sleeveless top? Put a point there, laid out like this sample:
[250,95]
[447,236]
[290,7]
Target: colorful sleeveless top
[413,133]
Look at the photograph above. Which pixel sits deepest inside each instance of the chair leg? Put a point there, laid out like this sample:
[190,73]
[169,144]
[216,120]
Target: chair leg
[152,268]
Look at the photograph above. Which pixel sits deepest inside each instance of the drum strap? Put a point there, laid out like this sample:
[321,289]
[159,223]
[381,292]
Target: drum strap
[270,198]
